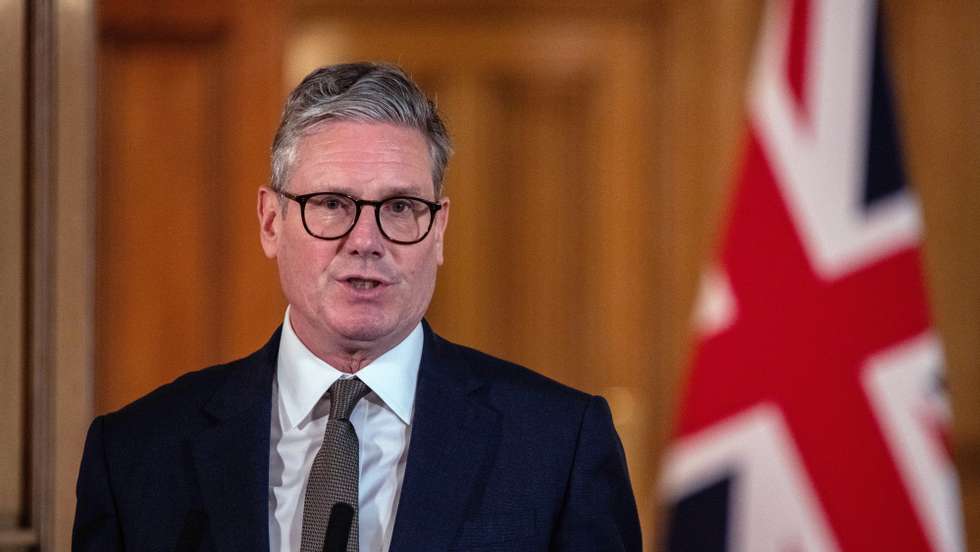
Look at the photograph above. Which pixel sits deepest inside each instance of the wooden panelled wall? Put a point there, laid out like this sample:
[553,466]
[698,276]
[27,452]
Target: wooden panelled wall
[13,271]
[595,147]
[47,98]
[937,64]
[190,94]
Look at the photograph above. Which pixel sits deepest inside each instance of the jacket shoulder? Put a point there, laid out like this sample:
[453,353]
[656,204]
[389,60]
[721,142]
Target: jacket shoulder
[176,407]
[509,379]
[188,390]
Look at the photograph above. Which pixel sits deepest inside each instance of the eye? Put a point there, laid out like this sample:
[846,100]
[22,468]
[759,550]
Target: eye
[399,206]
[328,202]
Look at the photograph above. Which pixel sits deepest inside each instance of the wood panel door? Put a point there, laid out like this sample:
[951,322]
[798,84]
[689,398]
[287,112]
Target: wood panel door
[188,102]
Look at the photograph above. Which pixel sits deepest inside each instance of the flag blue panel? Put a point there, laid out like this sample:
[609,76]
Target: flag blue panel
[884,176]
[699,520]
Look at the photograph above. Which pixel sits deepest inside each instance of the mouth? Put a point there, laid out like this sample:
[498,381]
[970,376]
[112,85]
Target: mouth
[363,284]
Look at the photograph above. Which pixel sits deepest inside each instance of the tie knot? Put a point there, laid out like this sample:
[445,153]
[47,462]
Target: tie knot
[344,394]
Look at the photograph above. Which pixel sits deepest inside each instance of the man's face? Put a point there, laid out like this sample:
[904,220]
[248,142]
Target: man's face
[360,294]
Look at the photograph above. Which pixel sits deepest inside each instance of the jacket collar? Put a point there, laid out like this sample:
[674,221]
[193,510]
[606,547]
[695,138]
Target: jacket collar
[452,433]
[232,456]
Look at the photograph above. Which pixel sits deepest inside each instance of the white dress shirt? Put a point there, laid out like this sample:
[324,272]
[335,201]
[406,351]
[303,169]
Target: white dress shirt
[382,420]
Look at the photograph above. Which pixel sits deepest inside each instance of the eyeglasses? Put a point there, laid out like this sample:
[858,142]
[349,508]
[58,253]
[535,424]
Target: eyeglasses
[330,216]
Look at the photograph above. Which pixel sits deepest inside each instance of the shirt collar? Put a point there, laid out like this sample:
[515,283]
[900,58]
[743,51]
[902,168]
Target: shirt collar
[303,377]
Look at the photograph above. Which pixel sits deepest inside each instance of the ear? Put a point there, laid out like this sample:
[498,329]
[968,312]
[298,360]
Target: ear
[442,219]
[270,220]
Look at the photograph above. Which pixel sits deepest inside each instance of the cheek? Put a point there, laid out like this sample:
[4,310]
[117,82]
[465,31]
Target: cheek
[302,268]
[289,276]
[424,277]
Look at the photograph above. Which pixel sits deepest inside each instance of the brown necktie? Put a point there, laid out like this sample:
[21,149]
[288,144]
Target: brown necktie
[330,505]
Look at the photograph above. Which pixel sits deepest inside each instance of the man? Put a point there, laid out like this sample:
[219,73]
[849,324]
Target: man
[356,427]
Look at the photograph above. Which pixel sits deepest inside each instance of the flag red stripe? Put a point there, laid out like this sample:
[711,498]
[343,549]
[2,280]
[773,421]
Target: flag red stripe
[801,342]
[796,60]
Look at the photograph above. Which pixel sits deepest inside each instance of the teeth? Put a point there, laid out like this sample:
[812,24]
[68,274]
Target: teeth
[358,283]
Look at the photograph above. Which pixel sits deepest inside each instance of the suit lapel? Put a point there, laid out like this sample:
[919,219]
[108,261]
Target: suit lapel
[451,437]
[231,457]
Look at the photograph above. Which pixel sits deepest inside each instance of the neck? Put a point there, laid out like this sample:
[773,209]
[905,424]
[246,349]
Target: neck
[346,355]
[347,363]
[348,359]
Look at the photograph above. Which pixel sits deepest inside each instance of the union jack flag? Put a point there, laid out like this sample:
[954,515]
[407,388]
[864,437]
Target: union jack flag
[815,414]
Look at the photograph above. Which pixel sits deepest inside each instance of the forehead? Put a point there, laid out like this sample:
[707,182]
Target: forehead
[362,157]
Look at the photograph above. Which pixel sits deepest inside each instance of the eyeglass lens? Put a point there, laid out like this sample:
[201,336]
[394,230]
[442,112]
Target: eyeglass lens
[402,219]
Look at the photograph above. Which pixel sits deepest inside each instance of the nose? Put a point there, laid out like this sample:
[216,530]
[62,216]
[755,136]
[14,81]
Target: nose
[365,238]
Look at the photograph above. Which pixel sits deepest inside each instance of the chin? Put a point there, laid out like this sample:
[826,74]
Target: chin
[363,335]
[364,330]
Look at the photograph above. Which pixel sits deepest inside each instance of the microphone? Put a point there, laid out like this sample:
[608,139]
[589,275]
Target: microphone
[338,528]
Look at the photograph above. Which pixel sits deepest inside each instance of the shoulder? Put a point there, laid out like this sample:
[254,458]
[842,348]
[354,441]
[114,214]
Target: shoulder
[503,372]
[163,418]
[508,385]
[536,419]
[178,407]
[188,392]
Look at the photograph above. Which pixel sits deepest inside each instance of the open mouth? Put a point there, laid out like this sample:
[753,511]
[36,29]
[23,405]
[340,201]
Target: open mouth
[363,283]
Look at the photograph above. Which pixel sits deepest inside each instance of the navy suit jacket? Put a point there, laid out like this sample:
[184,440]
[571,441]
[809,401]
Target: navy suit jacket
[500,458]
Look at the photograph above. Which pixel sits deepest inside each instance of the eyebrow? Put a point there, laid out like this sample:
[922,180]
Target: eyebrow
[390,192]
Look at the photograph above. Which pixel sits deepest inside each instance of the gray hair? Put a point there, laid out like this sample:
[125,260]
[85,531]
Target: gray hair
[363,92]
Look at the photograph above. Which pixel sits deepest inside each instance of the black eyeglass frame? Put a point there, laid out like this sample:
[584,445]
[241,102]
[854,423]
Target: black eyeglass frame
[302,199]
